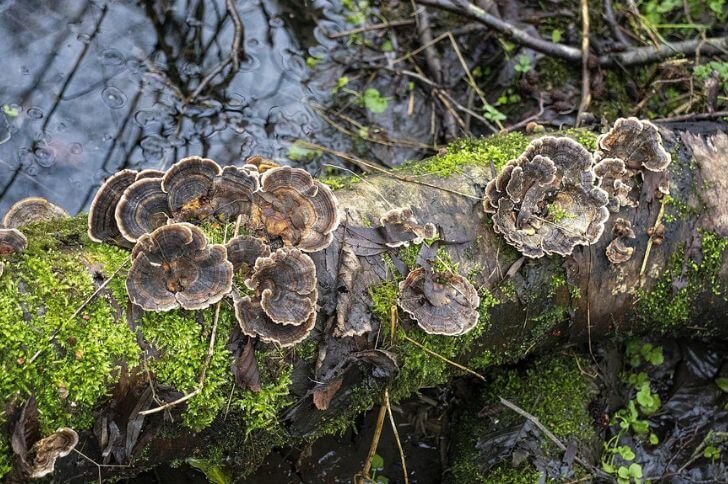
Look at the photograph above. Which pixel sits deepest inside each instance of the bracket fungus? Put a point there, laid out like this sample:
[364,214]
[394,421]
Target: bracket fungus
[31,210]
[142,208]
[46,451]
[546,201]
[285,281]
[198,189]
[400,227]
[254,322]
[637,143]
[618,251]
[292,206]
[175,267]
[102,226]
[616,181]
[12,241]
[441,303]
[244,250]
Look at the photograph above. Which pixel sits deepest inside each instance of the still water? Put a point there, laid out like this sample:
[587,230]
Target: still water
[91,87]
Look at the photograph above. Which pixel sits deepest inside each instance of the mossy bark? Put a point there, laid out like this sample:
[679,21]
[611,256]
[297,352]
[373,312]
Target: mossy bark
[536,305]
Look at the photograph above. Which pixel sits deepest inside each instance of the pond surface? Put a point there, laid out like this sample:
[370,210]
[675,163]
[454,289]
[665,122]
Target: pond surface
[90,87]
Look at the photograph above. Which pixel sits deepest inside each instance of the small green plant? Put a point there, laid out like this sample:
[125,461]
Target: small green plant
[722,383]
[649,402]
[340,84]
[377,467]
[523,64]
[356,11]
[637,352]
[298,151]
[313,61]
[556,36]
[373,100]
[711,453]
[492,114]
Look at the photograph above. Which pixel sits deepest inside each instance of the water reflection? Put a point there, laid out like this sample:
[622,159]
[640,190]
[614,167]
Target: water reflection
[90,87]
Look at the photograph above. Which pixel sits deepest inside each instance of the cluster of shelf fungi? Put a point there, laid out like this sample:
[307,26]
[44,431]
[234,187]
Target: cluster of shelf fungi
[552,198]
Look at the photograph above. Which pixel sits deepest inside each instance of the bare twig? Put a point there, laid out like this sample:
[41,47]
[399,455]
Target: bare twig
[388,173]
[396,437]
[585,79]
[237,35]
[375,443]
[368,28]
[437,355]
[693,117]
[533,419]
[646,55]
[663,202]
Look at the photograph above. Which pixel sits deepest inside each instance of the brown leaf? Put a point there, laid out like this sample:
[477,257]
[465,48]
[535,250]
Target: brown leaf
[26,431]
[245,368]
[323,394]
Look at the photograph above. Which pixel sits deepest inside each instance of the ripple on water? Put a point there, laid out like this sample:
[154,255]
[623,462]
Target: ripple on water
[113,97]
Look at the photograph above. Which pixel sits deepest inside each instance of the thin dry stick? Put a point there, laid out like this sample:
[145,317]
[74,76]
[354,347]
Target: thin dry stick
[547,433]
[367,28]
[375,443]
[649,241]
[437,355]
[238,34]
[99,466]
[372,167]
[78,311]
[585,81]
[396,436]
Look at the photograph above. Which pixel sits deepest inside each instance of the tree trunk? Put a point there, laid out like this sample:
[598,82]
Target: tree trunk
[528,305]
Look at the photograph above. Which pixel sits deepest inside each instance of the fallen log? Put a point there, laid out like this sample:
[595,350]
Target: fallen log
[97,364]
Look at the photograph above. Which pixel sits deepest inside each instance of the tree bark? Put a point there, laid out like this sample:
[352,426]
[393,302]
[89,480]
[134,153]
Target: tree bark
[533,309]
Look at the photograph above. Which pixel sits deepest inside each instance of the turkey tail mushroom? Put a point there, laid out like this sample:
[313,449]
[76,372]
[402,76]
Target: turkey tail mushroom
[142,208]
[254,322]
[12,241]
[637,143]
[45,452]
[31,210]
[102,226]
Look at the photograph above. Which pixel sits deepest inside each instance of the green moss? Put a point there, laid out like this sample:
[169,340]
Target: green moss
[471,151]
[41,292]
[665,307]
[339,182]
[554,389]
[585,137]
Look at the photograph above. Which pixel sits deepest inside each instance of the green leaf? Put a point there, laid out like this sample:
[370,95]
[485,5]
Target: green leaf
[10,111]
[387,46]
[313,61]
[635,470]
[649,402]
[654,440]
[626,452]
[492,114]
[523,64]
[298,152]
[556,36]
[377,462]
[382,480]
[374,101]
[623,472]
[711,452]
[722,383]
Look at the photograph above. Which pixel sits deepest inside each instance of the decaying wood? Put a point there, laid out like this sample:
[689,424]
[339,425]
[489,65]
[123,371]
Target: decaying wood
[324,389]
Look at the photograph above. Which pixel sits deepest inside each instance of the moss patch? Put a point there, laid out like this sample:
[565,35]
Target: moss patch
[553,389]
[665,307]
[41,292]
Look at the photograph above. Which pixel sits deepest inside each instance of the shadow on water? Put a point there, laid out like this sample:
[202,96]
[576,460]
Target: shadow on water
[91,87]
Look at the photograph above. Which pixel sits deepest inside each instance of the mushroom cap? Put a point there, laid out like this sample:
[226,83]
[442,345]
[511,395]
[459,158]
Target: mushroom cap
[232,193]
[142,209]
[255,322]
[149,173]
[546,200]
[46,451]
[102,225]
[294,207]
[30,210]
[12,241]
[637,143]
[616,181]
[442,303]
[286,283]
[189,185]
[618,252]
[400,227]
[260,163]
[244,250]
[175,267]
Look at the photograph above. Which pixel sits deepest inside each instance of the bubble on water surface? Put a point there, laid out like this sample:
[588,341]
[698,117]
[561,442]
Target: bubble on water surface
[75,148]
[112,57]
[45,156]
[113,97]
[35,112]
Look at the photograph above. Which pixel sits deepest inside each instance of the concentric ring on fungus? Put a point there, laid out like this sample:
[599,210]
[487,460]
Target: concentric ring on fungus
[441,303]
[286,284]
[255,322]
[175,267]
[102,226]
[142,209]
[637,143]
[292,206]
[30,210]
[547,200]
